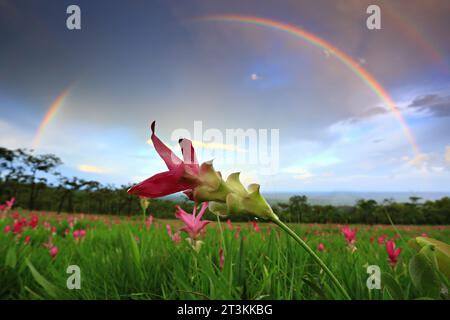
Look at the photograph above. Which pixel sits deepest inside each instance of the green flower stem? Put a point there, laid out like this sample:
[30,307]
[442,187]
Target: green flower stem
[313,255]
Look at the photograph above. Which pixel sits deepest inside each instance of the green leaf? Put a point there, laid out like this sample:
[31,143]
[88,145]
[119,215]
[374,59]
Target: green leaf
[135,250]
[312,283]
[11,258]
[442,252]
[424,274]
[392,286]
[50,288]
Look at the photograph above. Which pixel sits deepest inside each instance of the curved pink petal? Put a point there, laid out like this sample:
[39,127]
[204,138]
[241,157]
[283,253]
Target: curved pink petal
[159,185]
[188,151]
[170,158]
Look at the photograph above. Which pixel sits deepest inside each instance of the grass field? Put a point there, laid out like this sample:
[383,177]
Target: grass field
[125,258]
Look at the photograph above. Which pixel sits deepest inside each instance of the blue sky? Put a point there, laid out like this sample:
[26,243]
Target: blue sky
[135,62]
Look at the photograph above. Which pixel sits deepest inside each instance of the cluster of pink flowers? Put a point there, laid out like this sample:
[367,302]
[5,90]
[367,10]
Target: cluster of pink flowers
[7,205]
[79,234]
[52,249]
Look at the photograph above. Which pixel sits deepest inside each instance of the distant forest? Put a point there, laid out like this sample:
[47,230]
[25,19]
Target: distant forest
[25,176]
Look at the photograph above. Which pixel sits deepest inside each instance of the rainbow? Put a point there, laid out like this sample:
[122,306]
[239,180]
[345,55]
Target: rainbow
[349,62]
[412,31]
[49,116]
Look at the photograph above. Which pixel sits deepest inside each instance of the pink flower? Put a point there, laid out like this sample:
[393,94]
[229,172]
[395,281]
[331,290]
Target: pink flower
[182,175]
[349,234]
[238,232]
[193,224]
[17,227]
[82,233]
[381,239]
[7,229]
[8,205]
[54,230]
[169,229]
[255,226]
[371,239]
[34,221]
[221,259]
[53,251]
[27,240]
[149,222]
[392,252]
[176,237]
[230,225]
[424,235]
[321,247]
[76,234]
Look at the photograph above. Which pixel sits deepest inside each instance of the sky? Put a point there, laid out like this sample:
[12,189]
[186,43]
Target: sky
[177,63]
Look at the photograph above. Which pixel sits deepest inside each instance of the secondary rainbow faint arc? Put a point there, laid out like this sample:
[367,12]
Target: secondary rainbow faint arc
[50,115]
[354,66]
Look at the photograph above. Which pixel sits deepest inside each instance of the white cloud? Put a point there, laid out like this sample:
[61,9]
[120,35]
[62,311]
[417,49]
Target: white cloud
[92,169]
[447,154]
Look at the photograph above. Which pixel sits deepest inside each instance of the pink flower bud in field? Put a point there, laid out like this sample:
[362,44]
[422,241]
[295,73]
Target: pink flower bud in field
[82,233]
[7,229]
[76,234]
[392,252]
[176,237]
[169,229]
[27,240]
[221,259]
[321,247]
[53,251]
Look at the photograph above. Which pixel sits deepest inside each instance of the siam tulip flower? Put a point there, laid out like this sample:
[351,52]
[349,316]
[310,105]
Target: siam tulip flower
[349,234]
[53,251]
[381,239]
[7,229]
[8,205]
[17,227]
[54,230]
[255,226]
[202,183]
[27,240]
[176,237]
[34,221]
[169,230]
[230,225]
[321,247]
[371,239]
[82,233]
[221,259]
[392,252]
[238,232]
[193,223]
[149,222]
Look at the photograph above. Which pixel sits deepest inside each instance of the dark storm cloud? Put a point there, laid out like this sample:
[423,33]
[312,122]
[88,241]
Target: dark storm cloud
[436,104]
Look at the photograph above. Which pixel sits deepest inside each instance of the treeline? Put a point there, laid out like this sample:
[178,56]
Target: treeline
[36,183]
